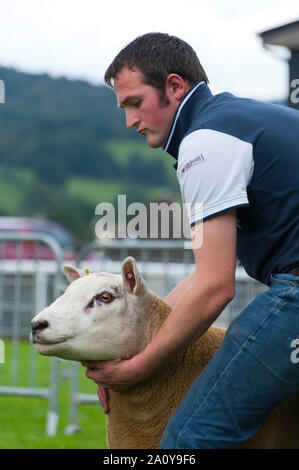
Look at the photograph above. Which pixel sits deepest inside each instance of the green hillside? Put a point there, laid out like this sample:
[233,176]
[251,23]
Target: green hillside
[64,148]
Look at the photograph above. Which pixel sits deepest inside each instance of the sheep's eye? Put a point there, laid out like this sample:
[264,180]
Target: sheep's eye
[105,298]
[90,305]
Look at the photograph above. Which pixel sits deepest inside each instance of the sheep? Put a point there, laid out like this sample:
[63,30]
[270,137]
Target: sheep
[104,316]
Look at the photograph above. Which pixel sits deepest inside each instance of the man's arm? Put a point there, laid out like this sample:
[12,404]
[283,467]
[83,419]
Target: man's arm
[197,308]
[174,296]
[209,293]
[176,293]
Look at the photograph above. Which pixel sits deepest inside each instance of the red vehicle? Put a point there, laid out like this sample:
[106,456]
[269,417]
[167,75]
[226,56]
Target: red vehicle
[32,249]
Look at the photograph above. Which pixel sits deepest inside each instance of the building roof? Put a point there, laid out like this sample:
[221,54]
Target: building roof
[286,35]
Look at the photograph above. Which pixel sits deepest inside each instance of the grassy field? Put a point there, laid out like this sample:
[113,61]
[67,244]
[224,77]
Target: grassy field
[23,420]
[14,182]
[121,149]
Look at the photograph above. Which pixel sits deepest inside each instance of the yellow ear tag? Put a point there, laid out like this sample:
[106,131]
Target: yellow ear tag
[86,271]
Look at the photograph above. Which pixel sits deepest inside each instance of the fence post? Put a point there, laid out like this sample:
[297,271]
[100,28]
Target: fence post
[73,426]
[2,352]
[16,267]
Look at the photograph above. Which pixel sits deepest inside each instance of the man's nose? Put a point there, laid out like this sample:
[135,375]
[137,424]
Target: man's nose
[132,119]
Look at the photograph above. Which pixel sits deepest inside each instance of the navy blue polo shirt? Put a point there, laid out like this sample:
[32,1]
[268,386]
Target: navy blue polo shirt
[241,153]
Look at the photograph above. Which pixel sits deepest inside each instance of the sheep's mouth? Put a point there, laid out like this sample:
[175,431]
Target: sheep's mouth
[44,342]
[39,340]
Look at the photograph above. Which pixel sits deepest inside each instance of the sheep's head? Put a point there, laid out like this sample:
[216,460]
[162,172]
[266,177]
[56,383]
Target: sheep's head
[100,316]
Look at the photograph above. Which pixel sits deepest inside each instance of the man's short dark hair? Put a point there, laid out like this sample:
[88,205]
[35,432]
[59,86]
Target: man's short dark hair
[157,55]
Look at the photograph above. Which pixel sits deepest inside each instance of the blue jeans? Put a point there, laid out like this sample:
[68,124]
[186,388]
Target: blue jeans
[252,372]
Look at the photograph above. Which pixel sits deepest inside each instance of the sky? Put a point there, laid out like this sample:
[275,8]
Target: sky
[79,39]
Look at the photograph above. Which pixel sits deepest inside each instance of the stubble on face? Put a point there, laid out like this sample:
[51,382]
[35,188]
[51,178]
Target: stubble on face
[147,108]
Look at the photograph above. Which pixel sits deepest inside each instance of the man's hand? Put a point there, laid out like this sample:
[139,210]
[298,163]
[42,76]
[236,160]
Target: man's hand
[116,375]
[103,395]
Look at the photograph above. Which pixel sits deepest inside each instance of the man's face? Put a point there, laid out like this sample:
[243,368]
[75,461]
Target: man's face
[144,107]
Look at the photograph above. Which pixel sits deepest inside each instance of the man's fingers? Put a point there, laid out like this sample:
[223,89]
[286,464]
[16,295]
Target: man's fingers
[103,395]
[90,364]
[91,373]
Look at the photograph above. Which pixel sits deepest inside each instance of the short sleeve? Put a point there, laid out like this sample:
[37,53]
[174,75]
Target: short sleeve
[214,170]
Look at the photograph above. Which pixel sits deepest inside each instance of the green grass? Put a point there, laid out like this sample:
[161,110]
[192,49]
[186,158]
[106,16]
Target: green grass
[13,183]
[92,191]
[96,191]
[23,420]
[121,149]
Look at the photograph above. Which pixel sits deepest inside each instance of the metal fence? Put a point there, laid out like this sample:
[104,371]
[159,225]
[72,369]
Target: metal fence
[27,285]
[162,264]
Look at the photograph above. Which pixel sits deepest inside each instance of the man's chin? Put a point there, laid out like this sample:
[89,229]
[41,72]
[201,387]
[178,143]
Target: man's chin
[154,143]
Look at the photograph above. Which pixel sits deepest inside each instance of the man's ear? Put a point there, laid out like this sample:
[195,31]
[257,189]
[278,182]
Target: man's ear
[131,277]
[176,86]
[72,273]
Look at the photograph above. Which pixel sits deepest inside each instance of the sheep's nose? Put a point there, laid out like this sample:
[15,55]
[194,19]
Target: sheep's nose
[39,325]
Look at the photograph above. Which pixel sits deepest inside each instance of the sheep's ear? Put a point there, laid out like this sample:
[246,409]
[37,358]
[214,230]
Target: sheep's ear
[72,273]
[131,277]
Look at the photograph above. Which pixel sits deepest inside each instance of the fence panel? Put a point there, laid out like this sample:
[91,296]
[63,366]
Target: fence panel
[162,264]
[30,279]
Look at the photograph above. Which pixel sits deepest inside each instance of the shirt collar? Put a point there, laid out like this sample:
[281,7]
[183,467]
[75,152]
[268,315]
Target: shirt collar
[184,116]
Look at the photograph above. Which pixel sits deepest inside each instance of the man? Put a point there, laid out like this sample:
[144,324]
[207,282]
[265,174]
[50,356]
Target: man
[240,158]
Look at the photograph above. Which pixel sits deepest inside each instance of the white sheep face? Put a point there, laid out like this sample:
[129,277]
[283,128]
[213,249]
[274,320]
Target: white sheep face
[97,317]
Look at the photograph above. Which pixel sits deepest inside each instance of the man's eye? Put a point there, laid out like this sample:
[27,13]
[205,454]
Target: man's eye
[136,104]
